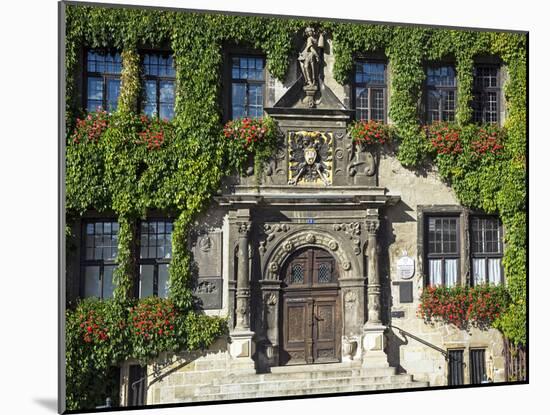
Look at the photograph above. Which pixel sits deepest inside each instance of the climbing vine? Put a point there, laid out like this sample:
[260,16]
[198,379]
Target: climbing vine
[129,165]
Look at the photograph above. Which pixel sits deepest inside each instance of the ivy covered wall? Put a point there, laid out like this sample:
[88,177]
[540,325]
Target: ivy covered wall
[120,174]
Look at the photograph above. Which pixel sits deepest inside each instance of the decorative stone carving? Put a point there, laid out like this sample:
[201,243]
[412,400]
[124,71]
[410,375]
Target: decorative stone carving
[206,287]
[352,229]
[310,238]
[205,243]
[288,246]
[362,161]
[349,347]
[350,298]
[271,299]
[244,227]
[372,226]
[271,231]
[310,158]
[299,240]
[333,245]
[309,59]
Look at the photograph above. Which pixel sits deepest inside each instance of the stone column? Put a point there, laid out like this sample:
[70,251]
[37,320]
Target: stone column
[242,322]
[374,341]
[373,286]
[242,346]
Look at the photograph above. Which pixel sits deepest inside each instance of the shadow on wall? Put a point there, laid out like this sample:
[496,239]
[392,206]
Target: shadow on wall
[394,342]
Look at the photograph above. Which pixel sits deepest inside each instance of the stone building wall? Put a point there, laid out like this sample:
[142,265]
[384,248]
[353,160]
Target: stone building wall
[401,234]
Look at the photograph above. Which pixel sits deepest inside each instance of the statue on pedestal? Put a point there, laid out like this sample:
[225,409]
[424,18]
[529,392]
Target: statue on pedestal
[309,60]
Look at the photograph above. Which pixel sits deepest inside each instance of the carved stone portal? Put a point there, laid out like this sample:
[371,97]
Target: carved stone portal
[310,158]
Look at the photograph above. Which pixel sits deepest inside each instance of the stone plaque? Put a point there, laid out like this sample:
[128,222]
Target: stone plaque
[207,253]
[208,292]
[207,257]
[406,292]
[405,267]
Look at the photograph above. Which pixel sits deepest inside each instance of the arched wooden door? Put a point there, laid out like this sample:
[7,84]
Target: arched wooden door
[311,318]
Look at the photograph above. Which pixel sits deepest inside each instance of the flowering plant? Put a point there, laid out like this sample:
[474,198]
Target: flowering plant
[250,133]
[153,132]
[461,306]
[91,127]
[490,139]
[444,138]
[370,132]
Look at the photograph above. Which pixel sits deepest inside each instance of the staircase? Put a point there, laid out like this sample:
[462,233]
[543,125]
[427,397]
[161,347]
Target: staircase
[301,380]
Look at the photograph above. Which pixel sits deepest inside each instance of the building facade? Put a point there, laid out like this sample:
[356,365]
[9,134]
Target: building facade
[320,259]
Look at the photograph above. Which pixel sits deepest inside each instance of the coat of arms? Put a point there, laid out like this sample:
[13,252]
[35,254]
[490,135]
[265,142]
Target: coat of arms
[310,156]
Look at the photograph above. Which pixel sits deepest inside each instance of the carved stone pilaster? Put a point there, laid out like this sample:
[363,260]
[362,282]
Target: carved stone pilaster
[373,286]
[242,320]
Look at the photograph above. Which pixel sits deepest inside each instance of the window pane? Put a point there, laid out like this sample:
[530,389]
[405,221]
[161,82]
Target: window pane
[325,274]
[478,271]
[297,274]
[435,268]
[256,102]
[451,272]
[113,90]
[146,273]
[238,100]
[163,280]
[167,92]
[108,284]
[495,271]
[377,111]
[362,103]
[92,287]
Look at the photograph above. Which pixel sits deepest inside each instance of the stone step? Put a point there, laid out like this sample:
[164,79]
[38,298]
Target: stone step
[307,391]
[270,385]
[304,373]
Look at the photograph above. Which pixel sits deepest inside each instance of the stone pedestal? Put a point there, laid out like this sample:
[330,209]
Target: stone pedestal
[242,345]
[374,343]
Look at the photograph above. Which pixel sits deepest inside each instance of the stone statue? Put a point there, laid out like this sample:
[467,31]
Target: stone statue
[309,58]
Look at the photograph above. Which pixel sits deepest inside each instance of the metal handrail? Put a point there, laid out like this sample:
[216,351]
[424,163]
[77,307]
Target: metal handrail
[424,342]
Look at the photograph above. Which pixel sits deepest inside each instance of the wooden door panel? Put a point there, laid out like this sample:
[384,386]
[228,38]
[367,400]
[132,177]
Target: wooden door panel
[297,317]
[325,335]
[310,325]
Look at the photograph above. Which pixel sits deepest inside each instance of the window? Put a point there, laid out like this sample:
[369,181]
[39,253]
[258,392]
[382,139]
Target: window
[486,250]
[158,91]
[440,93]
[486,94]
[477,366]
[443,251]
[102,80]
[247,86]
[455,371]
[370,91]
[99,256]
[154,257]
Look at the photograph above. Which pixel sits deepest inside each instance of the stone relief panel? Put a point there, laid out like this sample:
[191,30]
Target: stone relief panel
[206,247]
[310,158]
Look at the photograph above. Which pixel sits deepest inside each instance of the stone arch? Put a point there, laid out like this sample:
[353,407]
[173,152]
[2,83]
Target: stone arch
[308,238]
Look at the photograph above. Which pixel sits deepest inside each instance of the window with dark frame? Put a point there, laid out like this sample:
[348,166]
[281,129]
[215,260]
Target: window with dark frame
[486,250]
[370,90]
[247,86]
[154,257]
[486,92]
[455,371]
[99,258]
[158,95]
[440,93]
[477,366]
[102,80]
[443,253]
